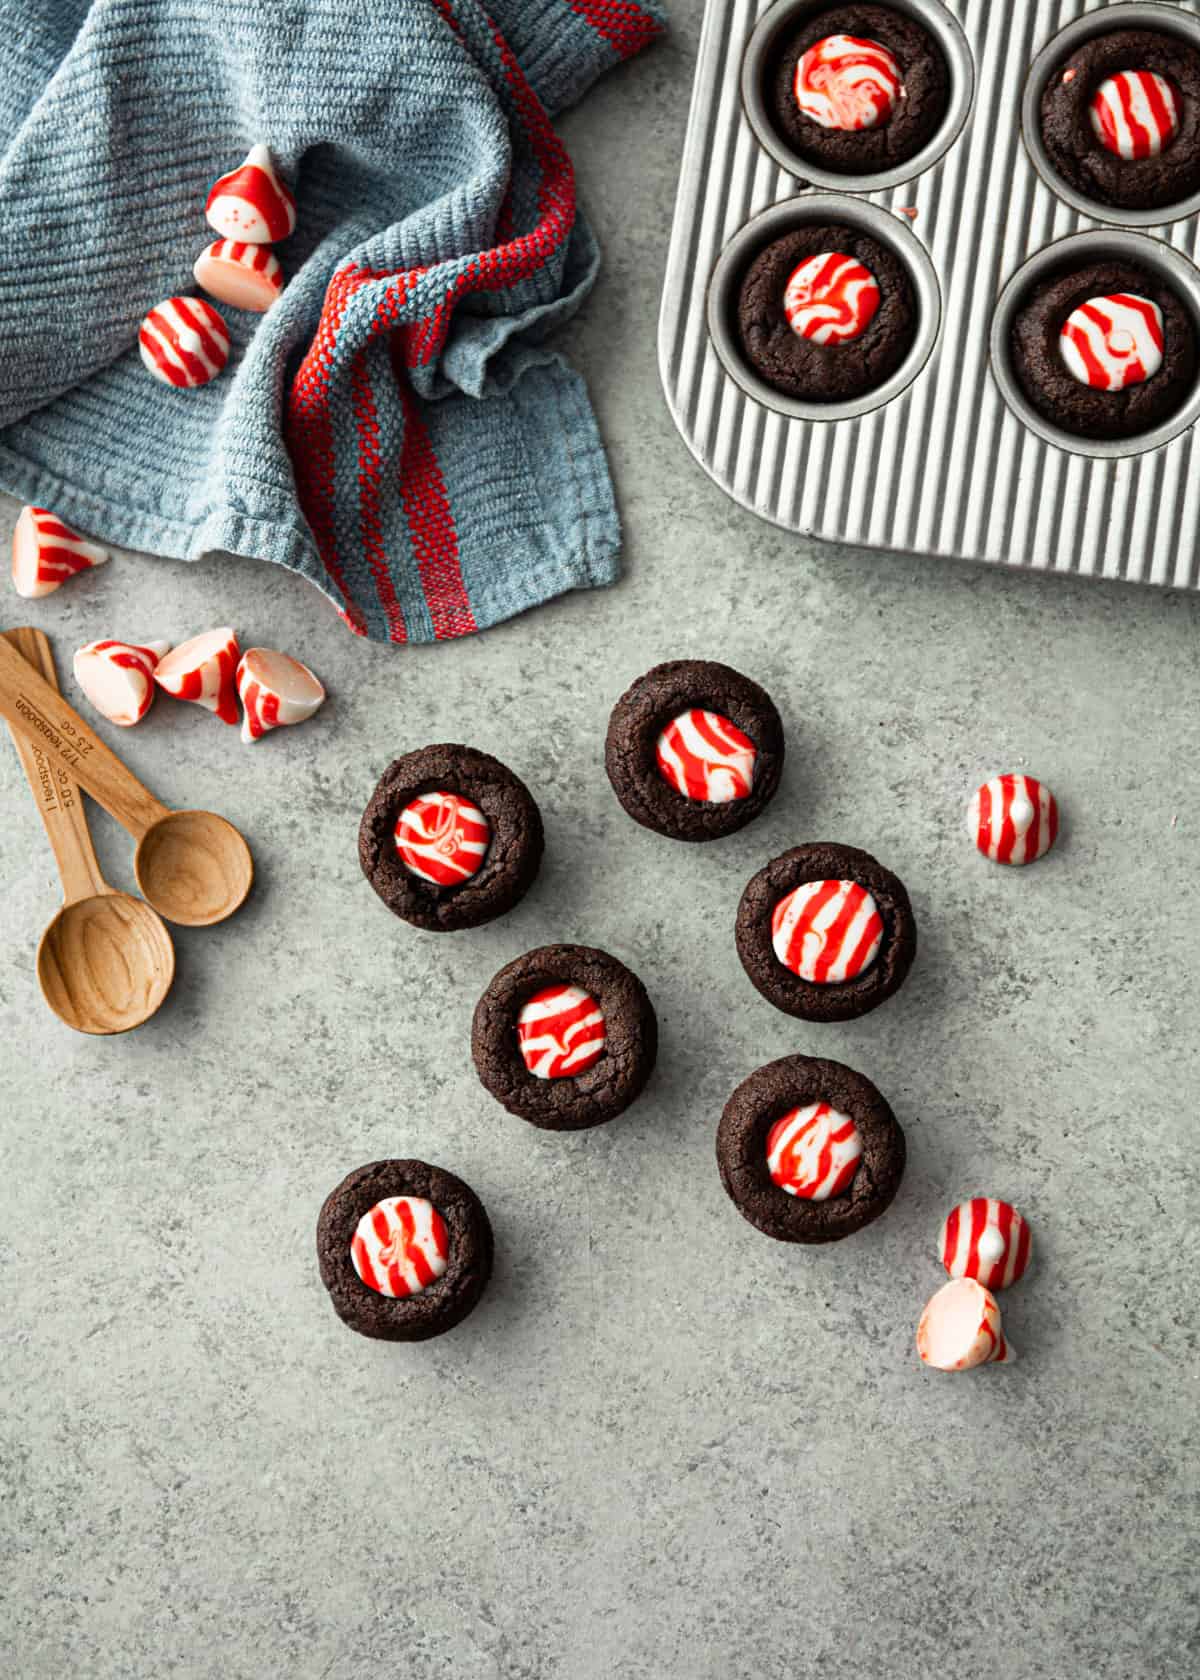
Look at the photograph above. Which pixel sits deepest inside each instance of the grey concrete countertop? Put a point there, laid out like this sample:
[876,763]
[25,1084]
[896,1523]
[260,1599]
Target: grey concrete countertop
[663,1446]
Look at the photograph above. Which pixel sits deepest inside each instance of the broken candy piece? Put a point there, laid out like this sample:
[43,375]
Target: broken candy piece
[275,689]
[960,1328]
[243,276]
[251,203]
[118,677]
[184,342]
[46,552]
[204,670]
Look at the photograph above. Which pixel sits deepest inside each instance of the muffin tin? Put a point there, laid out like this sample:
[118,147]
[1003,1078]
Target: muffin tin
[948,458]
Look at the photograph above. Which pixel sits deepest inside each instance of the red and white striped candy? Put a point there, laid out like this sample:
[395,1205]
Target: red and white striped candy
[831,298]
[827,931]
[704,756]
[961,1328]
[560,1032]
[1111,342]
[1135,113]
[442,838]
[274,689]
[118,678]
[203,669]
[184,342]
[848,83]
[814,1152]
[985,1240]
[243,276]
[46,552]
[400,1246]
[251,203]
[1013,819]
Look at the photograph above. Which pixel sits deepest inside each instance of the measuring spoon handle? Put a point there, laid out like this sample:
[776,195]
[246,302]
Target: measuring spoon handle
[58,798]
[32,708]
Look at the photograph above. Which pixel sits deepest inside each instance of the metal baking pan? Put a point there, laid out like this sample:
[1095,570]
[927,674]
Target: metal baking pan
[947,458]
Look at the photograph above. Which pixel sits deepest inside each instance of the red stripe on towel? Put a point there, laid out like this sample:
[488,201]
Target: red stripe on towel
[626,27]
[370,525]
[431,524]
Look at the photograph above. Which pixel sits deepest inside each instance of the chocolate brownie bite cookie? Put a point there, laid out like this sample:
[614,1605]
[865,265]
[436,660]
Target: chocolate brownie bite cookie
[826,313]
[809,1151]
[1105,351]
[565,1037]
[450,839]
[826,933]
[858,90]
[694,750]
[405,1250]
[1121,119]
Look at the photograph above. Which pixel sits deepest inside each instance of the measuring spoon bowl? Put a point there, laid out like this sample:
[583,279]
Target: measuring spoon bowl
[105,963]
[194,867]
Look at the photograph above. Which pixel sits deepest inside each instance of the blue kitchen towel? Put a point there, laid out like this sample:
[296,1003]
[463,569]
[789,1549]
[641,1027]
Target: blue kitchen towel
[394,428]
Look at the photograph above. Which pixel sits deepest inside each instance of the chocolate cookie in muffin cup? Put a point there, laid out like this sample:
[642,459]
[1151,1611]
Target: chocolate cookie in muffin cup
[809,1151]
[826,313]
[1105,349]
[1120,117]
[565,1037]
[857,90]
[450,839]
[826,933]
[694,750]
[405,1250]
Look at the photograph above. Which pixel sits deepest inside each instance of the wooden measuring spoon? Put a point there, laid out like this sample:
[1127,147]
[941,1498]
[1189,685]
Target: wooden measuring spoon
[192,866]
[106,961]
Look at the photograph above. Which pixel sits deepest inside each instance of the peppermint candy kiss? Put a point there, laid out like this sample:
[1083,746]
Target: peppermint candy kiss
[274,689]
[46,552]
[560,1032]
[118,677]
[442,838]
[704,756]
[831,298]
[1135,114]
[204,669]
[961,1328]
[243,276]
[814,1152]
[827,932]
[184,342]
[1111,342]
[1013,819]
[400,1246]
[985,1240]
[848,83]
[251,203]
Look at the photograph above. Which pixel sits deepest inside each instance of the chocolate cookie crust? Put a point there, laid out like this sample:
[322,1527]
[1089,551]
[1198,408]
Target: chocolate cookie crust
[645,710]
[919,111]
[800,367]
[1055,393]
[602,1091]
[509,865]
[443,1303]
[1075,150]
[769,1094]
[824,861]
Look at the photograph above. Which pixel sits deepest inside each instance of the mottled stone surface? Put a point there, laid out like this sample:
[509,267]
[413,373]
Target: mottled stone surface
[662,1446]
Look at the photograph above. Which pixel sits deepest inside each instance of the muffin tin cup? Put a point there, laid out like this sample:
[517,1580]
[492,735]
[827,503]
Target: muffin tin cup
[772,224]
[933,17]
[1166,20]
[1077,251]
